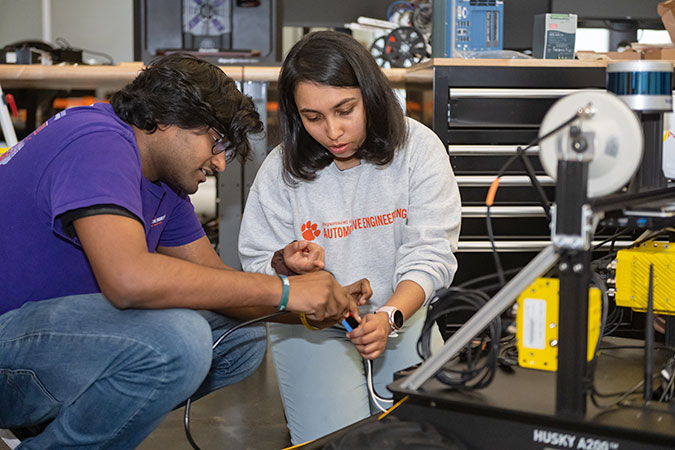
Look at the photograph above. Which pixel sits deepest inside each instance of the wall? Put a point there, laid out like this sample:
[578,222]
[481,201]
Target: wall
[99,25]
[20,20]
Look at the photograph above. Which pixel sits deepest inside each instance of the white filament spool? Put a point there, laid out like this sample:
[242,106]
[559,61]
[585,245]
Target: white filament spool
[615,134]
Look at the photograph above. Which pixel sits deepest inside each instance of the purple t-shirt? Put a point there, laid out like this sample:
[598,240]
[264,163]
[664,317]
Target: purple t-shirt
[81,157]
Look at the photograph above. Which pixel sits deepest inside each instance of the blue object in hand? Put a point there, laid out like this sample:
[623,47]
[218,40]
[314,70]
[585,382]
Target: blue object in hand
[350,323]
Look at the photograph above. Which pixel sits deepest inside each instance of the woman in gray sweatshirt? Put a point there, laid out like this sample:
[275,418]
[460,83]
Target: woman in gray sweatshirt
[373,194]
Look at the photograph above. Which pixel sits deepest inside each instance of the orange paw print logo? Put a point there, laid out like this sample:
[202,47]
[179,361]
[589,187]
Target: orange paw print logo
[309,231]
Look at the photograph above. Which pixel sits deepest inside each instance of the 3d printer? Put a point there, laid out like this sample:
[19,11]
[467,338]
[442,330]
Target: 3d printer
[221,31]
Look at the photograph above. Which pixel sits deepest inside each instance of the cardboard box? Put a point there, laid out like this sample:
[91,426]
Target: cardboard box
[667,12]
[659,53]
[621,56]
[654,51]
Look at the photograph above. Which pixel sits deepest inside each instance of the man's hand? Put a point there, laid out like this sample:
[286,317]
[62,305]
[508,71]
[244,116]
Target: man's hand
[323,324]
[360,291]
[370,338]
[320,297]
[304,257]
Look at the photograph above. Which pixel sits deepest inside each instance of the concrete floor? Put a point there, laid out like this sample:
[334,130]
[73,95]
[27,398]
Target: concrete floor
[246,416]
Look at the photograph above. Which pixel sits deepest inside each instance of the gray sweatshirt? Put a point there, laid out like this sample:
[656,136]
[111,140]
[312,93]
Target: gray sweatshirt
[385,223]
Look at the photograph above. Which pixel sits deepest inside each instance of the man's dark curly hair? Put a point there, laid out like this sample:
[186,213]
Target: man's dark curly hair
[332,58]
[183,90]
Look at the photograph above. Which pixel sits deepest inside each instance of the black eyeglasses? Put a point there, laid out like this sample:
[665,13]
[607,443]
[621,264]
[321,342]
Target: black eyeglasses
[221,145]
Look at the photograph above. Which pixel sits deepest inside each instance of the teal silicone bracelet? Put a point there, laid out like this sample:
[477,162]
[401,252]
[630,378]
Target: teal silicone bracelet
[286,287]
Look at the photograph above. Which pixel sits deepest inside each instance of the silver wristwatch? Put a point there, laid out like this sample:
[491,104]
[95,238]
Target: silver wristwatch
[395,318]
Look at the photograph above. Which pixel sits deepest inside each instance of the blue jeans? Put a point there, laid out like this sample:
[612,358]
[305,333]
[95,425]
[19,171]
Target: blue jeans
[106,377]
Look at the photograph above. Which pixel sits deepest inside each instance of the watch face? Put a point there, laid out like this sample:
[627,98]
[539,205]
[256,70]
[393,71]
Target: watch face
[397,319]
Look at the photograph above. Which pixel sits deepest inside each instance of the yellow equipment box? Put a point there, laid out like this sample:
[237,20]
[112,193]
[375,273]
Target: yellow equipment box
[632,277]
[537,322]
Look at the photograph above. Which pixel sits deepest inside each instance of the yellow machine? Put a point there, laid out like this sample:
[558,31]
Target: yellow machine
[632,277]
[537,322]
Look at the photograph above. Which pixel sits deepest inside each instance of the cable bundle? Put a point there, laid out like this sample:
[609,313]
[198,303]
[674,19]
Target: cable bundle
[479,371]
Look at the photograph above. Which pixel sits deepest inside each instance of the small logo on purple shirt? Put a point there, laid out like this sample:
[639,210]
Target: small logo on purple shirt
[157,221]
[9,154]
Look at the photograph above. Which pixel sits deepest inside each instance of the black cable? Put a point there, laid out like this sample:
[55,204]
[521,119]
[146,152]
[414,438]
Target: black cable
[66,46]
[613,243]
[508,354]
[619,404]
[624,232]
[668,368]
[522,150]
[495,254]
[543,200]
[590,377]
[186,420]
[475,375]
[110,59]
[643,407]
[595,394]
[520,154]
[614,314]
[612,238]
[622,395]
[600,284]
[614,320]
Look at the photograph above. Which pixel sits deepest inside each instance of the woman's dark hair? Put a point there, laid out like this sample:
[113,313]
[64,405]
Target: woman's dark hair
[335,59]
[183,90]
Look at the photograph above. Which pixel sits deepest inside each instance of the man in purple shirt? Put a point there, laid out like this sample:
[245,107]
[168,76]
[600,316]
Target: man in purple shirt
[111,295]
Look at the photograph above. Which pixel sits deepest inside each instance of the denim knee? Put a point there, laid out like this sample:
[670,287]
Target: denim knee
[235,358]
[258,337]
[241,353]
[184,342]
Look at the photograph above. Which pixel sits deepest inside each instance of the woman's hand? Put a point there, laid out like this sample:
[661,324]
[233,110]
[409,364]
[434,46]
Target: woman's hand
[370,338]
[304,257]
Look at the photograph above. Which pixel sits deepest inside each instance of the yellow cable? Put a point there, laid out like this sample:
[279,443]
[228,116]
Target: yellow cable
[396,405]
[300,445]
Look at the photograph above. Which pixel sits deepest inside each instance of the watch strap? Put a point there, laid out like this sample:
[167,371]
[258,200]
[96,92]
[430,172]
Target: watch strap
[390,311]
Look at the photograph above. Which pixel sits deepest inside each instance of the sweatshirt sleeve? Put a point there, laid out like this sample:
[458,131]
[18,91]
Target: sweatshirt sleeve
[431,231]
[266,225]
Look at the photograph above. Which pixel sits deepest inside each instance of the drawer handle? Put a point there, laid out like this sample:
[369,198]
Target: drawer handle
[509,93]
[488,150]
[517,246]
[503,211]
[508,180]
